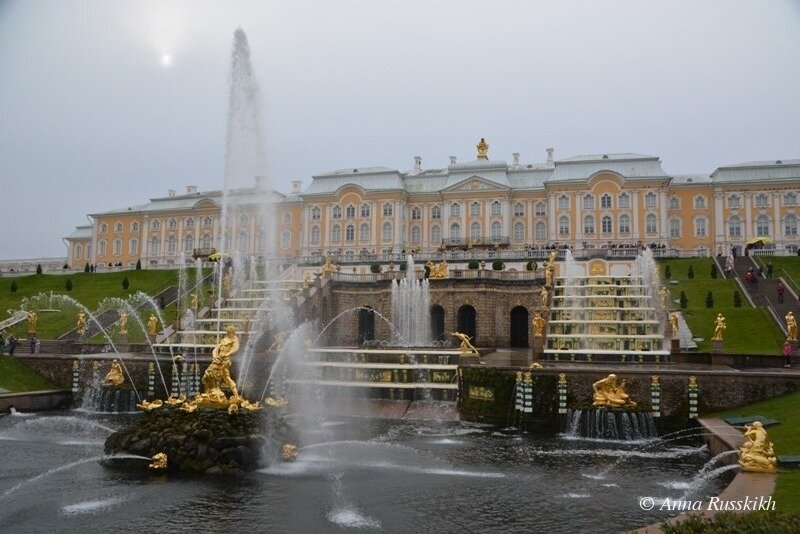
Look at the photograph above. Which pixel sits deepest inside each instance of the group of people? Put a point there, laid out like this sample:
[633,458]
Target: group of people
[11,341]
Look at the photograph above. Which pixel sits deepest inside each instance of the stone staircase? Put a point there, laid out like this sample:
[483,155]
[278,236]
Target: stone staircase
[766,295]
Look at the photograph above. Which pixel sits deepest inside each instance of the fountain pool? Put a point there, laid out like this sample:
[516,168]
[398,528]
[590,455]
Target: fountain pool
[351,473]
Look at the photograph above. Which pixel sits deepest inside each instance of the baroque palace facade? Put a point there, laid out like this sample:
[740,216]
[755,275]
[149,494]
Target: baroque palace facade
[590,203]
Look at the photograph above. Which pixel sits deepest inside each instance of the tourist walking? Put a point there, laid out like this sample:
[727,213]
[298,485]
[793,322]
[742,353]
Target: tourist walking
[38,347]
[12,344]
[769,269]
[781,292]
[787,353]
[33,344]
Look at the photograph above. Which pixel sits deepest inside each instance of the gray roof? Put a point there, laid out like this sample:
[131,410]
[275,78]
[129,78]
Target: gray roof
[368,178]
[81,232]
[580,168]
[756,171]
[691,179]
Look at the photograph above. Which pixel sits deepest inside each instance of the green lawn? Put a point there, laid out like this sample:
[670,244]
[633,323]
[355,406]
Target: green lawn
[786,437]
[16,376]
[786,266]
[87,288]
[750,330]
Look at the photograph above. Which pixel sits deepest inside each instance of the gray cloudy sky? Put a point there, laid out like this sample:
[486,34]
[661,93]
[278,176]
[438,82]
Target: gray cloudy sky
[93,116]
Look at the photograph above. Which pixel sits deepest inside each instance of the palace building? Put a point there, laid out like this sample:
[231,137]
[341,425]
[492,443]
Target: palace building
[593,203]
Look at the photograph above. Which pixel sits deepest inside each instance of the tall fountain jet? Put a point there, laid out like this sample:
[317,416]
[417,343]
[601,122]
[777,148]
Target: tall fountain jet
[411,309]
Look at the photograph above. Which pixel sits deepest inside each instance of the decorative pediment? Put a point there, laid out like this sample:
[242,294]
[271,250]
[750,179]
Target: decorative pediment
[476,183]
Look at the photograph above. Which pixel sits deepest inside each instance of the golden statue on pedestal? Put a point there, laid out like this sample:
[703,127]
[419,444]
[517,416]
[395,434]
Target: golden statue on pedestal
[159,461]
[306,280]
[327,267]
[80,324]
[664,294]
[194,302]
[123,322]
[483,149]
[757,454]
[550,269]
[439,270]
[545,298]
[791,327]
[719,328]
[673,322]
[467,349]
[219,371]
[115,377]
[152,324]
[289,453]
[611,393]
[539,325]
[226,282]
[32,318]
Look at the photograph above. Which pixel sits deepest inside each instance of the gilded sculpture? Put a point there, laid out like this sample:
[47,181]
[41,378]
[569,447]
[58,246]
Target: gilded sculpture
[757,454]
[306,280]
[194,302]
[226,282]
[539,325]
[219,371]
[32,319]
[439,270]
[152,324]
[328,268]
[483,149]
[791,327]
[123,322]
[148,406]
[673,322]
[289,452]
[663,293]
[550,269]
[611,393]
[467,349]
[80,323]
[159,461]
[719,328]
[545,298]
[115,377]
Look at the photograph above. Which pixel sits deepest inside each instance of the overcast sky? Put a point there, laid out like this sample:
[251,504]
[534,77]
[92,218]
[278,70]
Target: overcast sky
[106,104]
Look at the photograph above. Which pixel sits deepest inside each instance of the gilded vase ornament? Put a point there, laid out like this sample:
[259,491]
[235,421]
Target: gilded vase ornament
[159,461]
[539,325]
[115,377]
[719,328]
[655,381]
[757,454]
[483,149]
[610,392]
[791,327]
[467,349]
[219,371]
[32,319]
[152,324]
[545,298]
[123,322]
[664,294]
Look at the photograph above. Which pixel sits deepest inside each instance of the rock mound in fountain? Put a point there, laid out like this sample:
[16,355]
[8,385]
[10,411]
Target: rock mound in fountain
[207,440]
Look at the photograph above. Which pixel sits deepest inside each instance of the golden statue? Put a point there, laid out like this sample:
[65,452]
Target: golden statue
[80,325]
[173,401]
[664,294]
[609,392]
[188,407]
[719,328]
[152,324]
[226,281]
[791,327]
[194,302]
[32,318]
[466,347]
[114,378]
[673,322]
[539,325]
[535,365]
[159,461]
[123,322]
[757,454]
[289,453]
[327,267]
[655,381]
[306,280]
[219,371]
[148,406]
[439,270]
[276,402]
[550,269]
[545,298]
[692,382]
[250,406]
[483,149]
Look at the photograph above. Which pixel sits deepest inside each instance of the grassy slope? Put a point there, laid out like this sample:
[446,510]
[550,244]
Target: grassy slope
[16,376]
[750,330]
[88,289]
[786,437]
[785,266]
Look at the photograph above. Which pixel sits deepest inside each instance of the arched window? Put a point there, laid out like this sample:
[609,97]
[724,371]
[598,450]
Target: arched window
[336,234]
[155,225]
[475,209]
[475,230]
[155,246]
[624,224]
[316,213]
[540,231]
[605,201]
[699,202]
[650,200]
[790,199]
[103,228]
[387,231]
[287,218]
[700,227]
[540,209]
[674,203]
[286,239]
[734,227]
[588,225]
[336,212]
[650,225]
[496,208]
[188,242]
[387,209]
[624,201]
[519,209]
[350,233]
[349,255]
[455,231]
[455,210]
[117,246]
[588,202]
[563,202]
[101,247]
[790,224]
[363,233]
[734,201]
[416,213]
[206,241]
[133,246]
[436,235]
[172,245]
[244,241]
[134,226]
[172,224]
[607,227]
[519,231]
[762,201]
[350,211]
[762,225]
[436,212]
[365,210]
[563,226]
[315,235]
[416,235]
[118,227]
[674,227]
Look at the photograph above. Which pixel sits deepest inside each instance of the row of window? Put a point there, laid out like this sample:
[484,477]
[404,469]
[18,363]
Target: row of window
[762,200]
[416,211]
[172,224]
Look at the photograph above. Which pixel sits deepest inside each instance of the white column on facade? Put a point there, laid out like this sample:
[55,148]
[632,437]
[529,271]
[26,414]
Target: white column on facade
[777,228]
[465,207]
[579,217]
[662,216]
[93,258]
[551,214]
[635,208]
[163,248]
[397,229]
[748,216]
[719,225]
[145,247]
[530,221]
[198,221]
[374,236]
[507,218]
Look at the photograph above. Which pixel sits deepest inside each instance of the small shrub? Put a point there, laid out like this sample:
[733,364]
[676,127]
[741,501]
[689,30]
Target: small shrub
[68,284]
[39,268]
[375,268]
[709,300]
[13,286]
[684,300]
[138,265]
[403,266]
[472,264]
[667,273]
[125,283]
[737,300]
[690,273]
[498,265]
[714,271]
[532,265]
[86,267]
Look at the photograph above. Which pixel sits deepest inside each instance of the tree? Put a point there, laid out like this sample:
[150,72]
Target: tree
[498,265]
[473,264]
[532,265]
[690,273]
[39,268]
[714,271]
[737,300]
[709,300]
[667,273]
[138,265]
[684,300]
[375,268]
[68,284]
[13,286]
[125,283]
[86,267]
